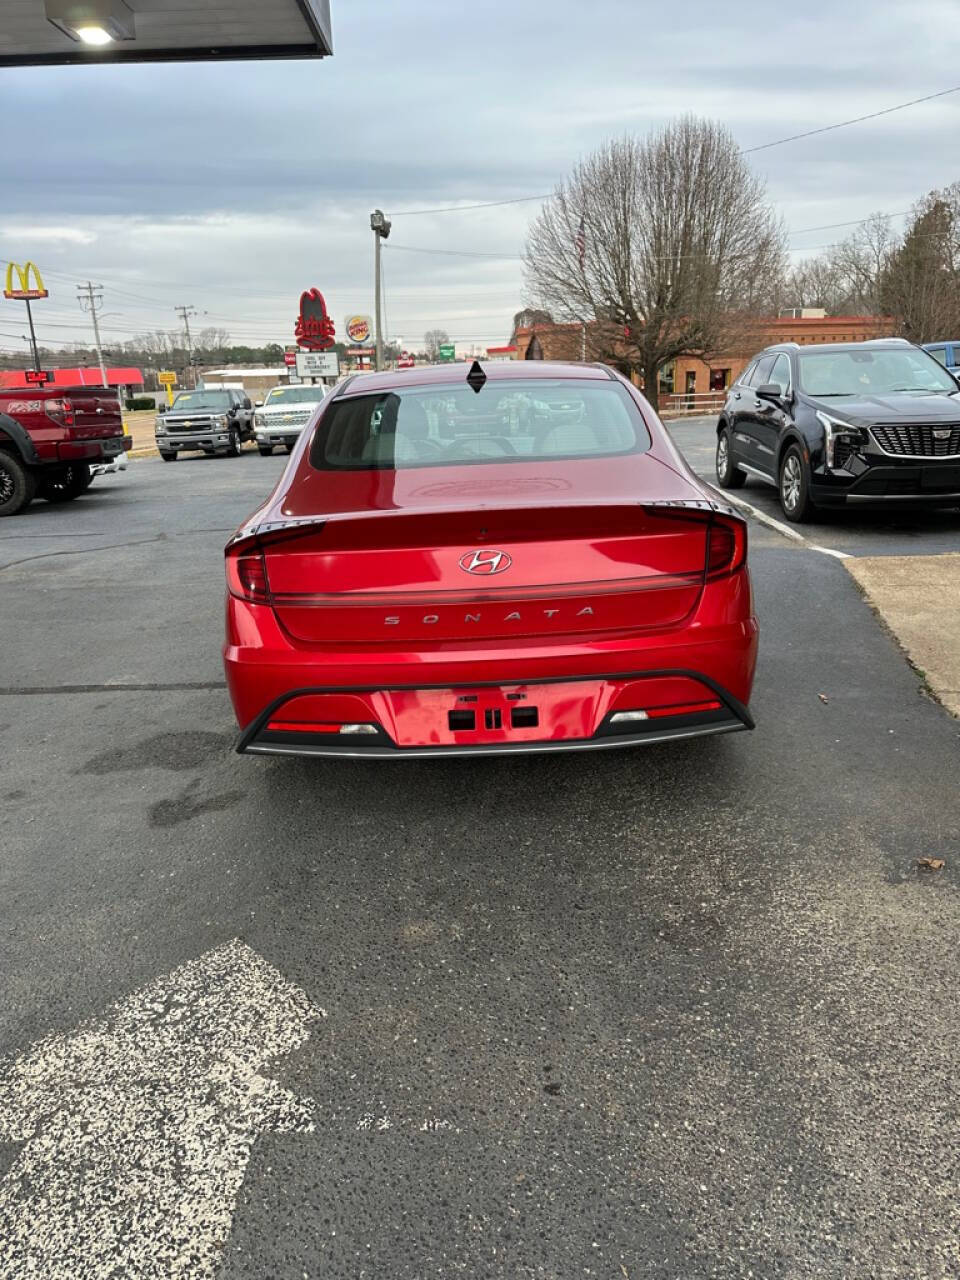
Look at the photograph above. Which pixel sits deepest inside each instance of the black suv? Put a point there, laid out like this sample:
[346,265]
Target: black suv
[844,424]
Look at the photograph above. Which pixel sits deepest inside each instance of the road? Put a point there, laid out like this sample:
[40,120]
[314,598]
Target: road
[682,1012]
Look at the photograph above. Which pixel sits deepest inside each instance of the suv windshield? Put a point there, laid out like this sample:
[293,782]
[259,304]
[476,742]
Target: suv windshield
[203,400]
[435,426]
[864,373]
[295,395]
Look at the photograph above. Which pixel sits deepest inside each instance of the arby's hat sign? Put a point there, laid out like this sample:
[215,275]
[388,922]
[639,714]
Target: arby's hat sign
[314,328]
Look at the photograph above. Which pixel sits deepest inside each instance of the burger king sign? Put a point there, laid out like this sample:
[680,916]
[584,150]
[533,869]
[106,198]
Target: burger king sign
[359,330]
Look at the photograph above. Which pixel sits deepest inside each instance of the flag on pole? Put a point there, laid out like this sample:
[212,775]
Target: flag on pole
[581,242]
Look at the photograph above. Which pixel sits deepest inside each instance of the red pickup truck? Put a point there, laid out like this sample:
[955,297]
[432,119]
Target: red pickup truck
[49,436]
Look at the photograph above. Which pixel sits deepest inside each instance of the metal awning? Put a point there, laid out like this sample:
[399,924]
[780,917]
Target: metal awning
[49,32]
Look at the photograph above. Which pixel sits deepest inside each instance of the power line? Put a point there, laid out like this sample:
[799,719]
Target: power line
[745,151]
[482,204]
[872,115]
[457,253]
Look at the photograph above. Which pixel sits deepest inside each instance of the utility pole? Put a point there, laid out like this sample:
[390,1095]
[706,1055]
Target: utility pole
[91,302]
[380,227]
[185,313]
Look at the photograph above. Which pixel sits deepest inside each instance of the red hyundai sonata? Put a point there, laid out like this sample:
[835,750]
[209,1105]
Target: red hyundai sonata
[513,558]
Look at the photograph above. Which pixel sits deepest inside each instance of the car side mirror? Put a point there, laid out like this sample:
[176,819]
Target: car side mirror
[259,404]
[246,403]
[161,408]
[771,391]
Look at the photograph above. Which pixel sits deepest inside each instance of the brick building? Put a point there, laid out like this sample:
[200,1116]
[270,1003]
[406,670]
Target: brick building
[689,375]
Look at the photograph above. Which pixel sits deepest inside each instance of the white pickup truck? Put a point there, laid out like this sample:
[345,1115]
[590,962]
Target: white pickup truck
[284,413]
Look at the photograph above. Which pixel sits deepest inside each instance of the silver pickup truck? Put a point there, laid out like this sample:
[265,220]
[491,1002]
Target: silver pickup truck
[211,421]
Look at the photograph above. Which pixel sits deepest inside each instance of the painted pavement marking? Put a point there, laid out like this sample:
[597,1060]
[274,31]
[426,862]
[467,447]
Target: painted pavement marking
[138,1126]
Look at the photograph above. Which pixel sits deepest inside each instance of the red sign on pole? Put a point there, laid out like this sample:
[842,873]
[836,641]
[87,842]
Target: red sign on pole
[314,329]
[37,377]
[290,357]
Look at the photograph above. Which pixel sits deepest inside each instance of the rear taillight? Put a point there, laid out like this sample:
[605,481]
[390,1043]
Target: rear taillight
[247,576]
[726,546]
[61,411]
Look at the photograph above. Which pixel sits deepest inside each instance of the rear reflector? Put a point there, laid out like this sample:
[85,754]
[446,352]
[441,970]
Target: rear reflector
[358,728]
[623,717]
[684,709]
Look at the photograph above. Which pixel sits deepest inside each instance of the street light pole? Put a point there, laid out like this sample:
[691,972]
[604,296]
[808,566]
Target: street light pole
[380,227]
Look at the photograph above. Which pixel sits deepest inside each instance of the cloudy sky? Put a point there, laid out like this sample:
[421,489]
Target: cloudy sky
[233,186]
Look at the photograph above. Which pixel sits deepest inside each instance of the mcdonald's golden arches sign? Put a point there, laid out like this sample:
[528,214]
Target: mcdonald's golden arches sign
[23,274]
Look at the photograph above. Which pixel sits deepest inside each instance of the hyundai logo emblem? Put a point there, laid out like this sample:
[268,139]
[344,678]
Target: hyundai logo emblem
[485,562]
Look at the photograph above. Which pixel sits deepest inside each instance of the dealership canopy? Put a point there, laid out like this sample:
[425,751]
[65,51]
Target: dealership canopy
[38,32]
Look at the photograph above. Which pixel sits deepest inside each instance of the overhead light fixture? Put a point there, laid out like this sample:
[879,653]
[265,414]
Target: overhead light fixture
[92,22]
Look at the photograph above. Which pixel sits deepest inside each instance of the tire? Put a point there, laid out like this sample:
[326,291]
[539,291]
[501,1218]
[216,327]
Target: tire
[17,485]
[168,455]
[85,484]
[66,484]
[233,445]
[266,450]
[793,486]
[729,475]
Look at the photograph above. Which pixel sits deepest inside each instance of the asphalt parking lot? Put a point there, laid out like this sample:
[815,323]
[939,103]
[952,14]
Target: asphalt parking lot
[682,1012]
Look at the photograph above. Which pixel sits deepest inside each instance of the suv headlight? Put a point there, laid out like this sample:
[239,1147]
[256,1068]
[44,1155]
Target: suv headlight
[159,427]
[258,420]
[222,420]
[833,430]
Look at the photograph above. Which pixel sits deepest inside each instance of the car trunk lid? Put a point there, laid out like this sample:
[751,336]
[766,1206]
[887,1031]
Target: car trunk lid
[474,575]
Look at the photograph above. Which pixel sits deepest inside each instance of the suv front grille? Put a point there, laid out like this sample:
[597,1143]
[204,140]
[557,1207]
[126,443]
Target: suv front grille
[918,441]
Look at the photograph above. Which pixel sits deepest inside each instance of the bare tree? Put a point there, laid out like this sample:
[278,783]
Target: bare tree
[846,278]
[920,285]
[433,340]
[663,246]
[528,317]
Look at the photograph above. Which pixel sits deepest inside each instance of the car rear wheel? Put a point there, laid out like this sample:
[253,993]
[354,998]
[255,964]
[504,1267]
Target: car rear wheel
[17,485]
[67,484]
[265,450]
[729,475]
[168,455]
[794,486]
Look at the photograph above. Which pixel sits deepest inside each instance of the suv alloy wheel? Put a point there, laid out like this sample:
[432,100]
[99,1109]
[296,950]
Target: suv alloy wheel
[729,476]
[794,486]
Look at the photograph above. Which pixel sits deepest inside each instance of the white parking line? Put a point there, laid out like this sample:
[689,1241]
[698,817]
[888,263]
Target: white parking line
[782,528]
[138,1126]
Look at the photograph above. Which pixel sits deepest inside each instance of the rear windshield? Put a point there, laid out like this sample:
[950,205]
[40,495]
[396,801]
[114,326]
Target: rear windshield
[436,426]
[296,395]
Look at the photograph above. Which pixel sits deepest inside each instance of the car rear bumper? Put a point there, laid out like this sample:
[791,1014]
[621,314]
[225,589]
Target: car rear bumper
[292,697]
[526,718]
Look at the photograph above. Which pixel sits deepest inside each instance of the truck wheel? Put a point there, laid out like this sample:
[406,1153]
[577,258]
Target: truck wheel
[168,456]
[265,450]
[233,445]
[66,484]
[17,485]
